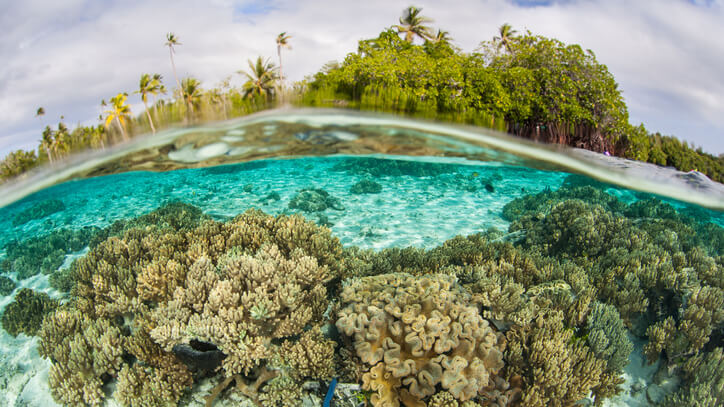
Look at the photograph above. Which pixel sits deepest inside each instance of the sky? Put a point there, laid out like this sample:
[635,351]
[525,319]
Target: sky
[68,55]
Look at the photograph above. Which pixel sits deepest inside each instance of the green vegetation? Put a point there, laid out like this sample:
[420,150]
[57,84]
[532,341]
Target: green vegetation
[528,85]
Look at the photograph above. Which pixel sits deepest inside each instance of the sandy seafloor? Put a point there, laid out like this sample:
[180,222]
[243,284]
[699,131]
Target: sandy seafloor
[410,211]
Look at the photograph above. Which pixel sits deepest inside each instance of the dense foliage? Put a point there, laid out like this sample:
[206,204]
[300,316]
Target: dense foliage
[529,85]
[534,87]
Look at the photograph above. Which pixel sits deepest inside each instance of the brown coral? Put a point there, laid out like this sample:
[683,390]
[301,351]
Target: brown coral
[416,333]
[312,356]
[240,308]
[556,370]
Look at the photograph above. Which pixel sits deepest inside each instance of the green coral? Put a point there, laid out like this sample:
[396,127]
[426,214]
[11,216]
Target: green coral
[607,337]
[366,186]
[379,167]
[26,313]
[7,285]
[315,200]
[703,384]
[39,211]
[45,254]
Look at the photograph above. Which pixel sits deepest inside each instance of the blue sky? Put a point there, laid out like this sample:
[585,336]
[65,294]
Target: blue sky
[66,56]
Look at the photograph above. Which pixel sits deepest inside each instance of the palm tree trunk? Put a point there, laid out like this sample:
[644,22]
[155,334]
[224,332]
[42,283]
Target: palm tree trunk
[120,126]
[173,65]
[148,114]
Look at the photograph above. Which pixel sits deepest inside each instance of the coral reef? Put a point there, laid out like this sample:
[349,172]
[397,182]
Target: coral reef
[311,357]
[315,200]
[556,369]
[366,186]
[607,337]
[39,211]
[46,253]
[281,391]
[542,203]
[379,167]
[416,333]
[173,215]
[234,286]
[244,305]
[704,382]
[26,313]
[7,285]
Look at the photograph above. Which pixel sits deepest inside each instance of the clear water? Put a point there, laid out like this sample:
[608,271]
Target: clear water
[377,183]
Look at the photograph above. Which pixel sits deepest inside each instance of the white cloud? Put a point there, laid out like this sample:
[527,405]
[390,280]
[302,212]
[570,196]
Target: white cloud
[67,56]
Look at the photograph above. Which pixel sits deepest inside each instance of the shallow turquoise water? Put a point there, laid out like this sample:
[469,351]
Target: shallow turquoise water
[418,201]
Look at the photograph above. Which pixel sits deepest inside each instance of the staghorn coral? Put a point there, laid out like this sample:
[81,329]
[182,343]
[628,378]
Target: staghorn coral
[242,307]
[416,333]
[25,314]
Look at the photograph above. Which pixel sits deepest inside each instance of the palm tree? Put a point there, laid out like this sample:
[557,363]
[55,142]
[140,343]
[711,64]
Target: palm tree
[282,43]
[506,34]
[442,37]
[191,91]
[119,112]
[40,112]
[60,142]
[412,24]
[262,78]
[171,40]
[147,86]
[46,143]
[161,89]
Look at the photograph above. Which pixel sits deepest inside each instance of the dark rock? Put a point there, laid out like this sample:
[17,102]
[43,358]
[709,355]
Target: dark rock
[199,356]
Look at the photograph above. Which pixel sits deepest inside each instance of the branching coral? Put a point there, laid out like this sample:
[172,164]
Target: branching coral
[250,301]
[704,382]
[44,253]
[416,334]
[83,352]
[607,337]
[39,211]
[188,272]
[704,312]
[7,285]
[26,313]
[555,369]
[312,356]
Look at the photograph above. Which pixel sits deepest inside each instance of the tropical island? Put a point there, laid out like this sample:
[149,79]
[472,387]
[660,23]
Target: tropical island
[528,85]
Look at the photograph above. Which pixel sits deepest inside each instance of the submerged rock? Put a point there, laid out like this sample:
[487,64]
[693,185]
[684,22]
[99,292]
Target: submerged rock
[199,355]
[315,200]
[366,186]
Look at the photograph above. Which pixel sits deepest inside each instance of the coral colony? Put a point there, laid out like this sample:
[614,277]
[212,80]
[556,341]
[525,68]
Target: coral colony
[258,306]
